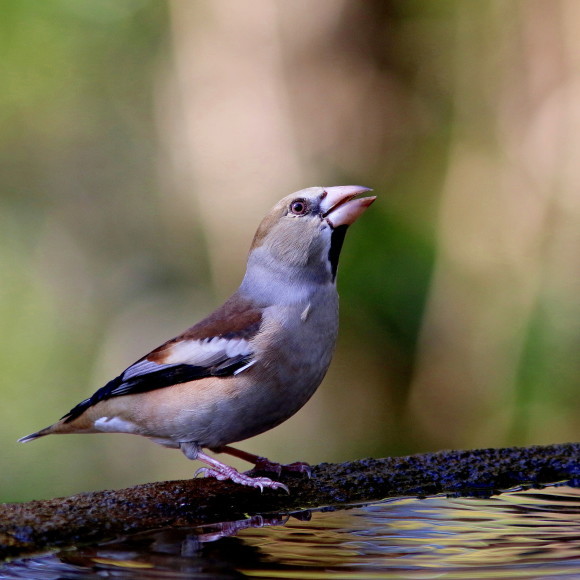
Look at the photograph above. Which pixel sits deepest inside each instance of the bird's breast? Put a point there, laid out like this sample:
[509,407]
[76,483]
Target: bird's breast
[293,353]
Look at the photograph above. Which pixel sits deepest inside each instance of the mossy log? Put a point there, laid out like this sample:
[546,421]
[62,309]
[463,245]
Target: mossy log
[90,517]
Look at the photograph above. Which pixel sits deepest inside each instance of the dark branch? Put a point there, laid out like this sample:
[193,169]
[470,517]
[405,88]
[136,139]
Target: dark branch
[87,517]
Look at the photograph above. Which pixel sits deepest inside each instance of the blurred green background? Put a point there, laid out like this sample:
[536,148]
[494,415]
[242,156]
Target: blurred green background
[142,141]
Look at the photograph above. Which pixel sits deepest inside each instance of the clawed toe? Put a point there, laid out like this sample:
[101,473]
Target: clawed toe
[241,478]
[298,467]
[207,472]
[262,482]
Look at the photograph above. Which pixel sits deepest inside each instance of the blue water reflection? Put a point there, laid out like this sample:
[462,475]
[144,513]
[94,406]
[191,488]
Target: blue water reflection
[526,534]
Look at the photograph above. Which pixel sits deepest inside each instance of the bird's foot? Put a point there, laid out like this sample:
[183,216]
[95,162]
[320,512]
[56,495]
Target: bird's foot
[233,475]
[222,472]
[264,464]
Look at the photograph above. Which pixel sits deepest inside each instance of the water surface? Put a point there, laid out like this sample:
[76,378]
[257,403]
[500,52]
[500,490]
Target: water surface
[525,534]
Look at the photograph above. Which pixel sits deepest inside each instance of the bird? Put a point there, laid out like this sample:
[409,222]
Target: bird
[252,363]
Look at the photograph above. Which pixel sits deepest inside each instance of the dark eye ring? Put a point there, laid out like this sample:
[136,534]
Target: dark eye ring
[299,207]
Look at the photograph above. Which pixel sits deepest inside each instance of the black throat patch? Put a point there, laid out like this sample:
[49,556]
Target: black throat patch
[336,241]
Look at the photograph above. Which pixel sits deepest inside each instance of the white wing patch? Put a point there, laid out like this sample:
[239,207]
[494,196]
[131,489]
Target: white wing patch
[201,353]
[142,368]
[207,352]
[247,366]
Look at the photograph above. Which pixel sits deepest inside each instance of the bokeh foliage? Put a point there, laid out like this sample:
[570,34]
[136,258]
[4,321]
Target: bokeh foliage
[141,142]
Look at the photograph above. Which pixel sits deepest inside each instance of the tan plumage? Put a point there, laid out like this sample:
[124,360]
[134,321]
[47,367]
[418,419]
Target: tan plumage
[253,362]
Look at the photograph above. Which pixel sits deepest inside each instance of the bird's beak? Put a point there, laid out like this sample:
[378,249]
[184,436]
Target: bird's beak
[339,206]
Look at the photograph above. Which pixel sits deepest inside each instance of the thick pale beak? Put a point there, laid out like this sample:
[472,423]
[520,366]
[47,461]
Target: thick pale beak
[339,206]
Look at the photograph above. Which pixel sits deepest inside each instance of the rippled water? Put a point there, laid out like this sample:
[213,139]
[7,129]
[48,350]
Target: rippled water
[526,534]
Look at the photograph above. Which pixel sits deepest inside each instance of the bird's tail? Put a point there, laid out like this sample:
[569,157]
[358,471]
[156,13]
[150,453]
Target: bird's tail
[33,436]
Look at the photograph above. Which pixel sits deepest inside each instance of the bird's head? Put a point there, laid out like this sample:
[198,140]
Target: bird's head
[301,237]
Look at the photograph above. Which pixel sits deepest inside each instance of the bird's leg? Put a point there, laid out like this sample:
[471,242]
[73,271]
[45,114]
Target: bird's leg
[263,463]
[221,471]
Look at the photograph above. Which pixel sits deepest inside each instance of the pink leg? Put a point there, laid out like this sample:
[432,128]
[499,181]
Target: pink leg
[264,464]
[222,471]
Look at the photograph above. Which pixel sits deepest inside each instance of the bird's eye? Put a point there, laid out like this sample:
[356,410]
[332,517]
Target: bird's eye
[299,207]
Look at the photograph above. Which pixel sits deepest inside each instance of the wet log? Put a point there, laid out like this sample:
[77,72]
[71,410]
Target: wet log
[90,517]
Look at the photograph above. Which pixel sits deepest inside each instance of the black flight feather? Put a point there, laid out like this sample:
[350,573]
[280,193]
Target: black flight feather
[164,377]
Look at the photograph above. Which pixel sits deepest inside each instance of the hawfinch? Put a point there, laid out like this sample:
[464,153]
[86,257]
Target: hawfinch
[252,363]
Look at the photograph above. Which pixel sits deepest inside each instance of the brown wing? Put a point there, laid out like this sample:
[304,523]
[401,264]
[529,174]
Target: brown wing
[219,346]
